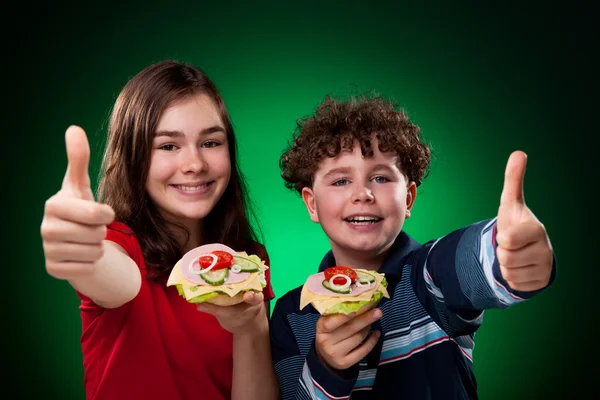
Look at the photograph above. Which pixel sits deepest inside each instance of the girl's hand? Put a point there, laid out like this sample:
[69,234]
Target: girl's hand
[74,224]
[241,319]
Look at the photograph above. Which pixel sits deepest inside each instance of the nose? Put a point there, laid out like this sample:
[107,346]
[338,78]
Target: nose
[363,194]
[192,161]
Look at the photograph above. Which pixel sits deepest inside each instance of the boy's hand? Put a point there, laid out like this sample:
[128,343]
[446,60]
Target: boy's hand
[524,250]
[339,338]
[243,318]
[74,224]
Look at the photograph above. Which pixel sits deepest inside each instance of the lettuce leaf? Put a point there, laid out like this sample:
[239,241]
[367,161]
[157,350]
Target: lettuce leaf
[206,296]
[255,258]
[348,307]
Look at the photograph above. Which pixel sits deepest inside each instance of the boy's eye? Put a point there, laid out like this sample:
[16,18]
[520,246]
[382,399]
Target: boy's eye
[210,144]
[341,182]
[167,147]
[380,179]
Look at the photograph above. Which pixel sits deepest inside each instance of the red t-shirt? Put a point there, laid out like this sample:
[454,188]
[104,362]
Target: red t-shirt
[157,346]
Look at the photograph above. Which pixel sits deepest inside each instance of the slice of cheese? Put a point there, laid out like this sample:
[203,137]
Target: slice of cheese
[253,282]
[322,303]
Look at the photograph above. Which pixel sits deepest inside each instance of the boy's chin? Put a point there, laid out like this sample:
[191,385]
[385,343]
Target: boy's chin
[368,246]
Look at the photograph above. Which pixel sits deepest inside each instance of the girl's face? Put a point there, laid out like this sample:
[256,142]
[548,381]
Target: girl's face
[189,165]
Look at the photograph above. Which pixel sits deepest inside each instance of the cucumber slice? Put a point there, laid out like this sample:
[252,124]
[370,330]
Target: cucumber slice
[215,277]
[327,286]
[246,264]
[365,277]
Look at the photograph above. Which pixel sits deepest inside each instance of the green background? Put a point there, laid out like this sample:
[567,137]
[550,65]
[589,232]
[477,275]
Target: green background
[479,80]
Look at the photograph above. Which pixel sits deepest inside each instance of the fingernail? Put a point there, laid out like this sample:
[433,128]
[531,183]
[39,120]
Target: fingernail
[377,313]
[377,334]
[202,308]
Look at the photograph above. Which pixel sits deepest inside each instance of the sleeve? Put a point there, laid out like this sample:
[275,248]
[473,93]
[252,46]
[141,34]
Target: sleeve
[458,276]
[122,235]
[302,377]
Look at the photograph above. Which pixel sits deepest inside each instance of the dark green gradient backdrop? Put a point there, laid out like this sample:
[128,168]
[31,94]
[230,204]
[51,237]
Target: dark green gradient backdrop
[479,81]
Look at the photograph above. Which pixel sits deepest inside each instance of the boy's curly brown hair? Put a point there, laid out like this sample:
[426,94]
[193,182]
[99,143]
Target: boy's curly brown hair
[337,124]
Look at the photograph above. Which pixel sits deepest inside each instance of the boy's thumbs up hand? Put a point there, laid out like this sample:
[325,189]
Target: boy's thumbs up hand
[524,250]
[74,224]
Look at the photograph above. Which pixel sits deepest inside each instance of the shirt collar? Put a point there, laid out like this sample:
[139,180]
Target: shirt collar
[392,264]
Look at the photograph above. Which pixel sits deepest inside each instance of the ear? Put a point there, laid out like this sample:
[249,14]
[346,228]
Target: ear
[411,195]
[309,201]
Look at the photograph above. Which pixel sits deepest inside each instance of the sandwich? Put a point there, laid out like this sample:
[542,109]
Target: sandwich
[343,290]
[215,273]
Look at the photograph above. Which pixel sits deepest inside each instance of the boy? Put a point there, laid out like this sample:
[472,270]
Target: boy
[357,165]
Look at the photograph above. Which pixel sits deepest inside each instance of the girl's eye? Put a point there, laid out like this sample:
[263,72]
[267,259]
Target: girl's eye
[211,144]
[380,179]
[341,182]
[167,147]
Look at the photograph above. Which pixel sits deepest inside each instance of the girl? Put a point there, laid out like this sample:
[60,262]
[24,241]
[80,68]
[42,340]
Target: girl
[169,182]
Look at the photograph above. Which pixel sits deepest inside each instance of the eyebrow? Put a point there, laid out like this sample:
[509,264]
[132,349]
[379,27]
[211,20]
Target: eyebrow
[336,171]
[206,131]
[384,167]
[347,170]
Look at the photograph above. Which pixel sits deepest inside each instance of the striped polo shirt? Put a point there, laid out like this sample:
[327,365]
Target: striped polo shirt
[438,292]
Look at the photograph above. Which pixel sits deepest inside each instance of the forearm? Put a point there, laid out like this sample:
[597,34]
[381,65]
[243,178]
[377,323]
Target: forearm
[475,268]
[451,278]
[115,280]
[459,270]
[460,278]
[253,374]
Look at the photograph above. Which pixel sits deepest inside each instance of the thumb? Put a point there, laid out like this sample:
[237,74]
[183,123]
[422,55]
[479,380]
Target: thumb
[77,179]
[514,176]
[512,199]
[252,298]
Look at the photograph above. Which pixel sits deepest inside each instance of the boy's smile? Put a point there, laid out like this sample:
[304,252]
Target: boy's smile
[364,222]
[361,203]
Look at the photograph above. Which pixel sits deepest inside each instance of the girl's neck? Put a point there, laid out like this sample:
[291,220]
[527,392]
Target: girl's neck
[194,237]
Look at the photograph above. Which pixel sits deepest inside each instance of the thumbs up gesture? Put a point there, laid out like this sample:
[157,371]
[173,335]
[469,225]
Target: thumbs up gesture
[524,251]
[74,224]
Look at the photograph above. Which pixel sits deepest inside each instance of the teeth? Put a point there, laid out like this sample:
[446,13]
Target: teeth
[190,188]
[363,220]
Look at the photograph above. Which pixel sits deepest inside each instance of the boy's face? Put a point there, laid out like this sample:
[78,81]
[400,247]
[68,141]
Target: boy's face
[360,202]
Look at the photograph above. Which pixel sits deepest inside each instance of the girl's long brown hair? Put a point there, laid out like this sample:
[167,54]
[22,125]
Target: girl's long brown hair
[126,162]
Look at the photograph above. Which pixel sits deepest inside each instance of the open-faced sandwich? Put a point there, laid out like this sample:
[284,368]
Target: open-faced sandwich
[343,290]
[215,273]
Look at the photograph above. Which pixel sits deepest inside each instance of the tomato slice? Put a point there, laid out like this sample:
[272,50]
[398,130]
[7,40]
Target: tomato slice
[340,269]
[224,260]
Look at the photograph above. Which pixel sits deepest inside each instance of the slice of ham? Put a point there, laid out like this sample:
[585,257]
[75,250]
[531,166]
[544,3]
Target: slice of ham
[192,256]
[314,283]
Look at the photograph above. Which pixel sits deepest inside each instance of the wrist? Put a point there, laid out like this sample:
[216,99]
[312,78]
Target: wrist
[257,328]
[338,383]
[340,373]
